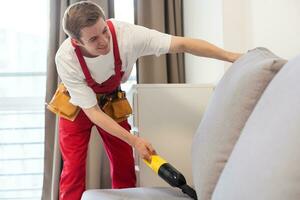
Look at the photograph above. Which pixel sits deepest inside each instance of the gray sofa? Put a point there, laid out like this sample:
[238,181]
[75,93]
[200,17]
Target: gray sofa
[247,145]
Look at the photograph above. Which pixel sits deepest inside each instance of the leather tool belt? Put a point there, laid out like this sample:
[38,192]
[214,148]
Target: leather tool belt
[114,104]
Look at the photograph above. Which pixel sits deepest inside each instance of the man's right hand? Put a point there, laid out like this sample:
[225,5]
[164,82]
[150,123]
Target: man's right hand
[144,148]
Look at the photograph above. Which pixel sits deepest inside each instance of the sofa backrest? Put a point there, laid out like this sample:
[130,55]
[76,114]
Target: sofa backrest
[231,104]
[265,161]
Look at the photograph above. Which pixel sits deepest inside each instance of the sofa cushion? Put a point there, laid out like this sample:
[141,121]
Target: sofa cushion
[265,161]
[231,104]
[150,193]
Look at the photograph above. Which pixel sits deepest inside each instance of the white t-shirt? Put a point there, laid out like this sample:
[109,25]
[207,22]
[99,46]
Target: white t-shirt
[134,41]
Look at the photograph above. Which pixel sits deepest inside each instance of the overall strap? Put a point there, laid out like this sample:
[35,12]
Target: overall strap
[118,61]
[90,81]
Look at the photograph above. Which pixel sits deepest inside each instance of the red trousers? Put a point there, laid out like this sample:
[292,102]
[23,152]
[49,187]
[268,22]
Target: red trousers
[74,138]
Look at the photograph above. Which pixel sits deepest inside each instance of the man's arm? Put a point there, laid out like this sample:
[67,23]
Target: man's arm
[200,48]
[98,117]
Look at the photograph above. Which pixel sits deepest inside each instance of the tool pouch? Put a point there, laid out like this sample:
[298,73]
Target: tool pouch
[116,106]
[60,104]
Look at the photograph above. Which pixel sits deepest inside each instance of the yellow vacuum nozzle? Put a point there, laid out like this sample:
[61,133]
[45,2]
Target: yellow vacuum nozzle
[170,175]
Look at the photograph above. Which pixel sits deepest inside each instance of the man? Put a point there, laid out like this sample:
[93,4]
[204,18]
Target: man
[96,57]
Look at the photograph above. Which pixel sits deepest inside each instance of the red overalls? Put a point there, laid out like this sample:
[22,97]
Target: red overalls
[74,137]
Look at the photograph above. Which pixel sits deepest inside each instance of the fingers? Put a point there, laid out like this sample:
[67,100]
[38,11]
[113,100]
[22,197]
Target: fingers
[145,149]
[146,154]
[148,151]
[151,150]
[147,157]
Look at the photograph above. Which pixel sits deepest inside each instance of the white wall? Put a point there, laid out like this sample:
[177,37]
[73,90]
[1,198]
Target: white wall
[238,26]
[203,22]
[273,24]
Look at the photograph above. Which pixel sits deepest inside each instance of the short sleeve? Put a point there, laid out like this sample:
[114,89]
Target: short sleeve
[81,94]
[148,41]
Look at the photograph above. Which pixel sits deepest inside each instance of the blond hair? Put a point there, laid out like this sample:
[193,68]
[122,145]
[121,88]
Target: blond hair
[80,15]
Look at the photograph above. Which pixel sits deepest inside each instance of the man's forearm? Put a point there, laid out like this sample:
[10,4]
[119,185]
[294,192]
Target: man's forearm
[205,49]
[202,48]
[98,117]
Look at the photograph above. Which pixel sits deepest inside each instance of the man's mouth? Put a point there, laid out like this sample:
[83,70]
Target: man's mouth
[103,47]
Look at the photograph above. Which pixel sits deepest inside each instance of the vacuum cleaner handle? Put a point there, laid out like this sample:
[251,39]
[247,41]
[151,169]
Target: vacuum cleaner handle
[171,175]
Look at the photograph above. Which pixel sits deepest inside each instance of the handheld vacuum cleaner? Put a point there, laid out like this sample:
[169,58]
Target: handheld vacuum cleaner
[170,175]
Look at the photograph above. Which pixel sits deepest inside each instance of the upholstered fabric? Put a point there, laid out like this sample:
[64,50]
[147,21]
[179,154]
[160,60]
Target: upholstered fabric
[264,164]
[150,193]
[232,102]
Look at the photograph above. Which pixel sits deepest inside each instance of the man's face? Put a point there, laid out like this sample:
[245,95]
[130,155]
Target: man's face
[95,39]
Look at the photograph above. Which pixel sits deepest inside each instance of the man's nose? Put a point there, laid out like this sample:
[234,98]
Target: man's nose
[103,41]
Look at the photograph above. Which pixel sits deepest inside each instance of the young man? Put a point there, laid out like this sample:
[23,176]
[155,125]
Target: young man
[96,58]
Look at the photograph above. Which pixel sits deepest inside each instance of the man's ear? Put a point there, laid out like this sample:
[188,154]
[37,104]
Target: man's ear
[76,42]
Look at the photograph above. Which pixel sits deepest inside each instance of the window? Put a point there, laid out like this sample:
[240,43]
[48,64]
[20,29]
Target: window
[23,53]
[124,11]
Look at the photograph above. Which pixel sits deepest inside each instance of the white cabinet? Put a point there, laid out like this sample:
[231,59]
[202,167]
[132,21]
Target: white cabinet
[168,115]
